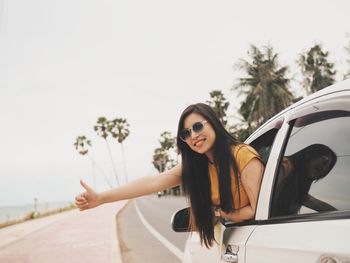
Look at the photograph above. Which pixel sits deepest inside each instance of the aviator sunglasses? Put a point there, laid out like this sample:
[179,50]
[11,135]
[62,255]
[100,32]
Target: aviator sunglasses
[196,127]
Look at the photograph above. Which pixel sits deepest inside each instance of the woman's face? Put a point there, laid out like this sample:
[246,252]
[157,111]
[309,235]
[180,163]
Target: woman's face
[202,141]
[319,166]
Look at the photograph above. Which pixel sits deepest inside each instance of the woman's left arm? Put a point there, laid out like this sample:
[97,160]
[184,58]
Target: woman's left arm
[251,178]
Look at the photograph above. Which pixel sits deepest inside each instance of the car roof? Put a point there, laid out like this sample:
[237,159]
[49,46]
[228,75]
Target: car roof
[338,87]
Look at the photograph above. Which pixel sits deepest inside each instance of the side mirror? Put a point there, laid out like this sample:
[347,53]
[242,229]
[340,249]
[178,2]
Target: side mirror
[180,221]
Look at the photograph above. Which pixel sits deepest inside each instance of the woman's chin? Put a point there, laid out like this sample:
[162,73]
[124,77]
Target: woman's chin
[200,150]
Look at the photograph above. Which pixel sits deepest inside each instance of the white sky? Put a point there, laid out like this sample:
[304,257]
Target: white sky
[65,63]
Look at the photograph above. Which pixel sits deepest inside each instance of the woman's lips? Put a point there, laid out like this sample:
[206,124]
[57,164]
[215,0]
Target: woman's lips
[199,143]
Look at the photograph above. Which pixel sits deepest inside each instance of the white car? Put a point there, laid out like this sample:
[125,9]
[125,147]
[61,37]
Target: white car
[303,211]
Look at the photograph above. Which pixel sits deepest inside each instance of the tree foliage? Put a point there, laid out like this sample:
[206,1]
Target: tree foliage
[82,144]
[265,87]
[164,156]
[160,159]
[318,72]
[219,104]
[239,131]
[167,141]
[101,127]
[119,129]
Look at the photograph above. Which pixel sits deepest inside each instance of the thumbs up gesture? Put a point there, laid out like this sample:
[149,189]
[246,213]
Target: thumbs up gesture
[88,199]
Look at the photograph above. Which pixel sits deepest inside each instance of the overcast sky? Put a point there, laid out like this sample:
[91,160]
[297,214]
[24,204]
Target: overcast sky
[65,63]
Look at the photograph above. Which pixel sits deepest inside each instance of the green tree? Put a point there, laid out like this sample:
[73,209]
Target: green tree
[219,104]
[102,127]
[165,157]
[160,159]
[265,87]
[239,131]
[167,141]
[82,145]
[318,72]
[119,129]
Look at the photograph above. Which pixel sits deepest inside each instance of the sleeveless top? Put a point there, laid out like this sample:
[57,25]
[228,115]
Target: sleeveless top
[243,154]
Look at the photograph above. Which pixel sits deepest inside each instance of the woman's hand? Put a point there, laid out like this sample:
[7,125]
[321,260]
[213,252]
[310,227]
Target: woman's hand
[139,187]
[217,212]
[88,199]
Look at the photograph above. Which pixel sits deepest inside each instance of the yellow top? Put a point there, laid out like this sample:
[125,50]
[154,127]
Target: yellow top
[243,154]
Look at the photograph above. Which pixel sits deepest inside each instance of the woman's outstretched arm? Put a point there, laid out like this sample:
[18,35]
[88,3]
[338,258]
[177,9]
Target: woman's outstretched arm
[139,187]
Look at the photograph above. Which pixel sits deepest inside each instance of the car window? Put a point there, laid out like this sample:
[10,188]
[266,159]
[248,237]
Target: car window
[264,143]
[314,171]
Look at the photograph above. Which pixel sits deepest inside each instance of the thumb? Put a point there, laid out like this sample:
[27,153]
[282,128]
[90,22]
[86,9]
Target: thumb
[86,187]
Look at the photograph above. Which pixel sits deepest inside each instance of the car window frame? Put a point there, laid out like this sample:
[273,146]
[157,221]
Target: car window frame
[320,105]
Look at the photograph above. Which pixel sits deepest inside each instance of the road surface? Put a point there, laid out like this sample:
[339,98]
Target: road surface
[145,233]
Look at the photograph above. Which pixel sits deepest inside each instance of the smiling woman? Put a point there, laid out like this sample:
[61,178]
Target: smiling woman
[217,171]
[221,177]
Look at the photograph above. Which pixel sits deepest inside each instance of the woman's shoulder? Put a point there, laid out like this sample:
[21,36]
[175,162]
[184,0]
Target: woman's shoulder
[243,154]
[243,149]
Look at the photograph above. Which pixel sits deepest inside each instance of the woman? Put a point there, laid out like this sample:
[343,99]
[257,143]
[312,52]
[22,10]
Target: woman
[216,171]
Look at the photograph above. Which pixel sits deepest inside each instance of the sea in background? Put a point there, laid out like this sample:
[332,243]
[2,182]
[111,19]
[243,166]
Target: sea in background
[9,213]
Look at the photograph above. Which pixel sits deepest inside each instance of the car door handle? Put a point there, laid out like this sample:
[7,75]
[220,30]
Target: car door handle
[231,254]
[230,257]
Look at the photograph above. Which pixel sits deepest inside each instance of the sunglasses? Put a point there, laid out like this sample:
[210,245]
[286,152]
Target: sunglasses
[196,127]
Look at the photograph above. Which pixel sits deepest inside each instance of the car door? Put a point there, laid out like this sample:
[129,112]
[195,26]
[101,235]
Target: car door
[305,213]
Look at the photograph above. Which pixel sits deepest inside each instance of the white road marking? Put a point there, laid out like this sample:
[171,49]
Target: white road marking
[173,249]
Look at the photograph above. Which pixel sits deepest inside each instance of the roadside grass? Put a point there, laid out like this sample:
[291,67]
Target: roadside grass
[35,214]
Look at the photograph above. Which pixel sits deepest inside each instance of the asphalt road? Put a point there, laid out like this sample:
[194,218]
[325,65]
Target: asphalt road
[136,241]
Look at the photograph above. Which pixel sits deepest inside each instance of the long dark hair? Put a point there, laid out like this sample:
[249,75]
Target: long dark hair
[195,175]
[295,186]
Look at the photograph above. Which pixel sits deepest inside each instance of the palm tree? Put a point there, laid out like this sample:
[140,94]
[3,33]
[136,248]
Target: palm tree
[167,141]
[266,87]
[119,129]
[165,157]
[160,159]
[82,144]
[102,127]
[318,72]
[219,104]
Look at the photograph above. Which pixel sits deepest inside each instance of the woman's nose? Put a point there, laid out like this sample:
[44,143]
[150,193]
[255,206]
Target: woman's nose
[194,135]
